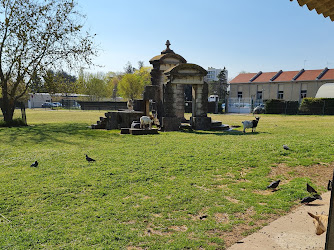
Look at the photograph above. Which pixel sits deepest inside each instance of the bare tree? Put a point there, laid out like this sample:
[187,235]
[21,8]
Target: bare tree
[36,36]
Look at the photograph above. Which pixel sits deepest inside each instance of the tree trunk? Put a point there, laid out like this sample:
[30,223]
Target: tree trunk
[7,108]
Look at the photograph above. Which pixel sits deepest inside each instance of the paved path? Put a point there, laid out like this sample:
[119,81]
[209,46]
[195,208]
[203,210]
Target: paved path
[293,231]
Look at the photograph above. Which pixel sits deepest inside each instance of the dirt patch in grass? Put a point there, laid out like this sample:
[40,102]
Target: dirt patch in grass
[319,174]
[222,217]
[242,230]
[179,228]
[231,199]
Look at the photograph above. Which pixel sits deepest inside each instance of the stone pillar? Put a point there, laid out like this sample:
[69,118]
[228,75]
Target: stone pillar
[178,95]
[199,119]
[169,100]
[199,101]
[170,122]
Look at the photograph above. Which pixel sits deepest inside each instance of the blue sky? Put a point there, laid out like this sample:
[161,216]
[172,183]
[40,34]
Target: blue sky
[241,35]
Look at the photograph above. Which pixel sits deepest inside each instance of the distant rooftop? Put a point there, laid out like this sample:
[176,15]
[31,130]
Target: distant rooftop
[285,76]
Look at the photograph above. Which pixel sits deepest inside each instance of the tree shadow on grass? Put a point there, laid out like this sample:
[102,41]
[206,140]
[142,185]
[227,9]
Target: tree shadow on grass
[54,132]
[220,133]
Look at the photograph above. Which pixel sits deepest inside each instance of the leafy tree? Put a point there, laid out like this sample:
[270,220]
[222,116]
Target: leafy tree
[112,85]
[95,88]
[34,37]
[66,83]
[222,84]
[59,82]
[219,87]
[96,85]
[36,84]
[144,75]
[131,86]
[50,82]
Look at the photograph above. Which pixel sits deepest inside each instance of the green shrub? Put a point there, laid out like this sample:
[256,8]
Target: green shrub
[275,106]
[317,106]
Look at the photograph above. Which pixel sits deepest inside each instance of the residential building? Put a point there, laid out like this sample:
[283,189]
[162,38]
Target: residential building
[212,74]
[253,88]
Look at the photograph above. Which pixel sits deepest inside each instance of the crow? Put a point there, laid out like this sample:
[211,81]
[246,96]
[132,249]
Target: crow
[329,185]
[286,147]
[89,159]
[317,196]
[203,217]
[35,164]
[310,189]
[274,184]
[309,199]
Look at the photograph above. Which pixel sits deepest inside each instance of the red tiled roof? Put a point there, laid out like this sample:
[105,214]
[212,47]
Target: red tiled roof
[265,77]
[244,77]
[309,75]
[328,75]
[286,76]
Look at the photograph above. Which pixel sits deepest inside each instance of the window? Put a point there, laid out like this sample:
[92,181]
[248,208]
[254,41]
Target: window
[303,94]
[239,94]
[259,95]
[280,94]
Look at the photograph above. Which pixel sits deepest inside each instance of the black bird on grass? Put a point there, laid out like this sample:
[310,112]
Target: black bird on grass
[286,147]
[89,159]
[35,164]
[310,189]
[329,185]
[317,196]
[309,199]
[274,185]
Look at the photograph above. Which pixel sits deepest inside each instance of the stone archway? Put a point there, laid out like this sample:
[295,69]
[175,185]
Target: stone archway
[169,75]
[176,78]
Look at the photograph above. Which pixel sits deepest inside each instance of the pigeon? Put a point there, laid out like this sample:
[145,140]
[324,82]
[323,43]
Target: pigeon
[309,199]
[203,217]
[274,184]
[286,147]
[317,196]
[329,185]
[89,159]
[310,189]
[35,164]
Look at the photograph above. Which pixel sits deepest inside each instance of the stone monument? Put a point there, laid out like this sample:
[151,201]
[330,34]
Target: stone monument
[169,75]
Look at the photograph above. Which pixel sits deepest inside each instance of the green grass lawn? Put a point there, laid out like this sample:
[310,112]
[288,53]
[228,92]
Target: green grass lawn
[174,190]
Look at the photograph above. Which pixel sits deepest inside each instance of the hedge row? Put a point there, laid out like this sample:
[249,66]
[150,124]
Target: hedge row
[274,106]
[309,106]
[317,106]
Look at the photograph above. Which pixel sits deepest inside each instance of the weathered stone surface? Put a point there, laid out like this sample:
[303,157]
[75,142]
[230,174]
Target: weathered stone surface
[125,131]
[169,100]
[135,131]
[152,92]
[122,119]
[170,123]
[139,105]
[201,123]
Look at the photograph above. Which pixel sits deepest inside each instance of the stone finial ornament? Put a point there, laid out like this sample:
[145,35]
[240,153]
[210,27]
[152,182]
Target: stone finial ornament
[167,50]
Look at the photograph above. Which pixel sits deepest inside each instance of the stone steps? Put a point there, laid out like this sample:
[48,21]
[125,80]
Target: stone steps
[101,124]
[219,126]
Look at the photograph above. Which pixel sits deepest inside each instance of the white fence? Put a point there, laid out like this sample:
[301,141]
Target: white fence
[242,105]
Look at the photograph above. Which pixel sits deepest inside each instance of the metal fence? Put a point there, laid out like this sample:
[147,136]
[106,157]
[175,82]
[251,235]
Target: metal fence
[239,105]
